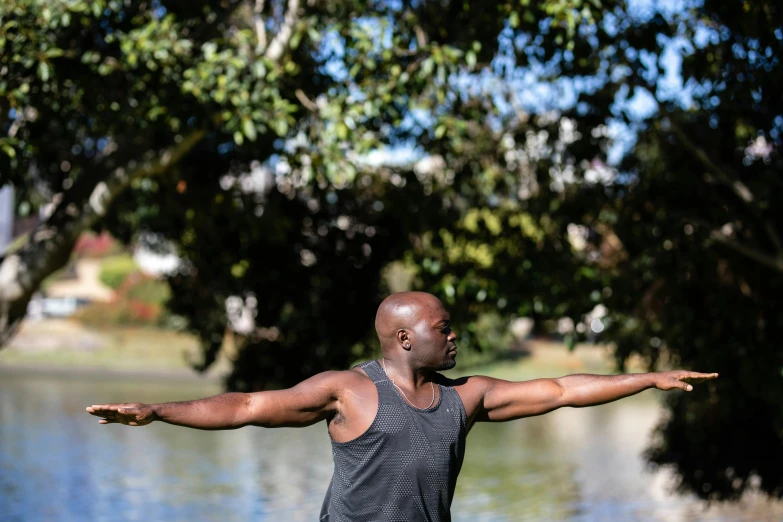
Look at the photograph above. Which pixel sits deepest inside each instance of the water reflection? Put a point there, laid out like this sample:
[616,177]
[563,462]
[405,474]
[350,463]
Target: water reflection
[57,463]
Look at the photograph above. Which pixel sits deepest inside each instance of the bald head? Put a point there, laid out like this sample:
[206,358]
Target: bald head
[414,325]
[401,311]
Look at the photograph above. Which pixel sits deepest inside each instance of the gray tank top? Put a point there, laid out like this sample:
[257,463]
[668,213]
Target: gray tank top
[405,466]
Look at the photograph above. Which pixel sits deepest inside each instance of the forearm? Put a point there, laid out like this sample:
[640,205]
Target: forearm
[590,390]
[221,412]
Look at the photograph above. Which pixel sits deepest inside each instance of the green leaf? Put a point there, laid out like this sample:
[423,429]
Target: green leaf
[43,71]
[280,126]
[427,66]
[295,39]
[470,58]
[342,131]
[238,269]
[249,129]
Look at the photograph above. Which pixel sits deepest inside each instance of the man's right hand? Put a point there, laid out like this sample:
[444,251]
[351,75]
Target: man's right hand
[130,414]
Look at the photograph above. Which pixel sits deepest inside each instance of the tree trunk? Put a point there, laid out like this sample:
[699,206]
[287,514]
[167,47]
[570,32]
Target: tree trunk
[49,246]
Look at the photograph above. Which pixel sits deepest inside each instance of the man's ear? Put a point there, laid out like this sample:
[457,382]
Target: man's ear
[404,339]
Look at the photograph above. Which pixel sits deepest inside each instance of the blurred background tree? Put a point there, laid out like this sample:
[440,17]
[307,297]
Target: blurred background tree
[555,160]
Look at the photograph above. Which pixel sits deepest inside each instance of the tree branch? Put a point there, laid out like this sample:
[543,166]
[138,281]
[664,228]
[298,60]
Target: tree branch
[760,257]
[283,37]
[49,246]
[421,36]
[258,21]
[731,179]
[307,102]
[773,236]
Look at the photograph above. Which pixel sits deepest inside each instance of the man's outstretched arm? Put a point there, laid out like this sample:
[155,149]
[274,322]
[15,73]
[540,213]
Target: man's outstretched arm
[504,400]
[308,402]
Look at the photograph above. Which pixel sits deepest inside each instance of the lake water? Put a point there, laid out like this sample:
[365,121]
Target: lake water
[58,464]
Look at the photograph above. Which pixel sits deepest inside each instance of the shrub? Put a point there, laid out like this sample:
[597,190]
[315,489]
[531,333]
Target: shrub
[147,290]
[96,245]
[115,269]
[140,300]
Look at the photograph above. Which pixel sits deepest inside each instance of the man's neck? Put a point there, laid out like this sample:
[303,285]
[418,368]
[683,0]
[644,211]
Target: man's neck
[407,376]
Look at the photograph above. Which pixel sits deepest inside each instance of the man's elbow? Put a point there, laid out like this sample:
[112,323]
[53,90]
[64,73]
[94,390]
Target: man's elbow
[249,411]
[561,396]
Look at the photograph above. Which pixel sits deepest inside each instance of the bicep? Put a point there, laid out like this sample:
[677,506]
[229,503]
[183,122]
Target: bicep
[307,403]
[506,400]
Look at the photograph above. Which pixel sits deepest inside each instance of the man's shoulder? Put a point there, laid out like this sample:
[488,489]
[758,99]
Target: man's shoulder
[472,390]
[343,378]
[467,382]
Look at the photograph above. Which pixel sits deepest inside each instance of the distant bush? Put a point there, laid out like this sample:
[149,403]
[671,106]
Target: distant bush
[139,300]
[147,290]
[96,245]
[115,269]
[120,313]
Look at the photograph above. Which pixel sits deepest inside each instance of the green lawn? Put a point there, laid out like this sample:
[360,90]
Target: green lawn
[59,344]
[546,359]
[66,344]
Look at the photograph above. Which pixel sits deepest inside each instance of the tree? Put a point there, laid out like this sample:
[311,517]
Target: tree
[680,243]
[106,100]
[701,229]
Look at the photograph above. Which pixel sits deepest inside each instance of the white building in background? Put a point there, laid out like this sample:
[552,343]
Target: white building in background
[154,263]
[6,216]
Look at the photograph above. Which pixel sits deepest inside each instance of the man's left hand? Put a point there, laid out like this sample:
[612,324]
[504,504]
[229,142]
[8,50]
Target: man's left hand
[681,379]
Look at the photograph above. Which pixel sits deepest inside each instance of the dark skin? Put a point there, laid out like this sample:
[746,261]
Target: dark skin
[417,342]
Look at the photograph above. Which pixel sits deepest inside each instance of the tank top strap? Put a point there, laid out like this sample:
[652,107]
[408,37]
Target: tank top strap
[386,393]
[451,396]
[374,370]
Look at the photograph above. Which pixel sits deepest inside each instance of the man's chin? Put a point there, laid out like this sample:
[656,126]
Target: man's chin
[448,365]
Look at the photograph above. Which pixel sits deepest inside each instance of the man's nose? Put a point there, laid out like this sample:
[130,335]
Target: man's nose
[452,337]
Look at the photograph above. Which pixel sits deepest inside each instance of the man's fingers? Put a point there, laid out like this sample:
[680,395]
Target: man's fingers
[101,408]
[104,407]
[127,414]
[111,409]
[703,376]
[686,380]
[697,378]
[107,414]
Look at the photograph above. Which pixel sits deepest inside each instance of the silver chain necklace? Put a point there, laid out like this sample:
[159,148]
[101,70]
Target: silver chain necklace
[403,393]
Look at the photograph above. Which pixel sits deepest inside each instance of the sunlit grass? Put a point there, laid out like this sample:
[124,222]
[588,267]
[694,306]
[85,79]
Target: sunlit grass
[122,348]
[62,344]
[545,359]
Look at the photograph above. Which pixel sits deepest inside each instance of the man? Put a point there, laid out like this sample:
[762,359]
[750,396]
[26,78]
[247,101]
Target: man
[397,426]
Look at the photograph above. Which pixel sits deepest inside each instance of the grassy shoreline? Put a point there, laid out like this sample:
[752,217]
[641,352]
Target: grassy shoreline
[185,375]
[67,348]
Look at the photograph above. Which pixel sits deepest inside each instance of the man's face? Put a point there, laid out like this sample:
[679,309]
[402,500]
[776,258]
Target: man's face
[435,343]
